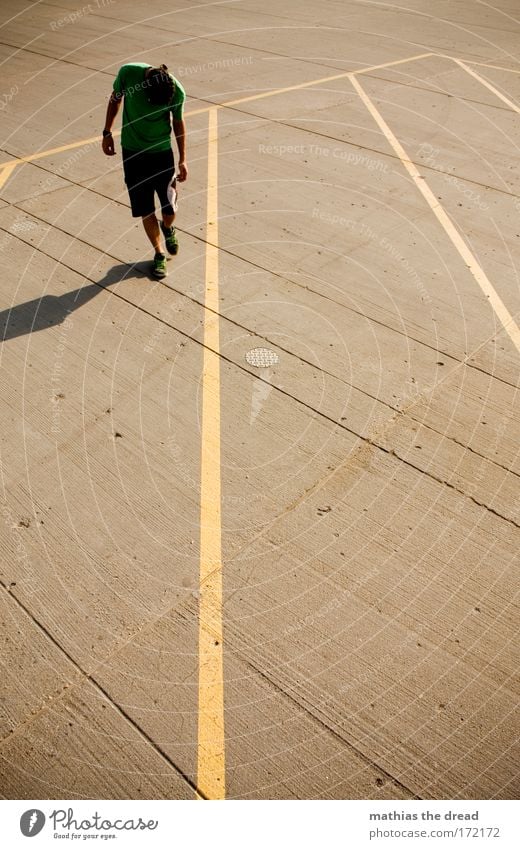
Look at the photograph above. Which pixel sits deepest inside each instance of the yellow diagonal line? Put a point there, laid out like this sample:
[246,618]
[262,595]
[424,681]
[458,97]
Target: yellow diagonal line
[342,75]
[61,149]
[502,313]
[211,746]
[6,172]
[488,85]
[251,97]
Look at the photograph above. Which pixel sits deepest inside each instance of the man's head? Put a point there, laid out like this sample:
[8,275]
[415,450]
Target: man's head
[160,86]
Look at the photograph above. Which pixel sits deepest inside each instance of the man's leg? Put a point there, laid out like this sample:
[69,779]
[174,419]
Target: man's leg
[168,220]
[170,234]
[139,178]
[151,226]
[167,190]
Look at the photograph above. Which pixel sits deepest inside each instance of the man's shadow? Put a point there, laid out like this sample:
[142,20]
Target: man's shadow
[52,310]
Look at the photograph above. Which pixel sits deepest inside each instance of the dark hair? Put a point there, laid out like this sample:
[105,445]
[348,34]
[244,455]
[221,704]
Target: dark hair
[160,86]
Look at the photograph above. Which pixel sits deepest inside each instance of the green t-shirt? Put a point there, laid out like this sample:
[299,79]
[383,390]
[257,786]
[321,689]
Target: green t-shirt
[145,126]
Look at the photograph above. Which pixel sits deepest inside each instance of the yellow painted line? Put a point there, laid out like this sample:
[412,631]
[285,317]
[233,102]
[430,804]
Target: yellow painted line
[486,65]
[92,140]
[211,744]
[54,150]
[252,97]
[488,85]
[342,75]
[501,311]
[390,64]
[73,145]
[6,172]
[198,111]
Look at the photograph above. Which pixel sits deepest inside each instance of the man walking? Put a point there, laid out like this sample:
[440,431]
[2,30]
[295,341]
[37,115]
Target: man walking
[150,96]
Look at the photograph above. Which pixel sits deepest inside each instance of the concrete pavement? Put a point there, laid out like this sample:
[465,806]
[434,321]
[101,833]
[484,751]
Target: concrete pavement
[363,553]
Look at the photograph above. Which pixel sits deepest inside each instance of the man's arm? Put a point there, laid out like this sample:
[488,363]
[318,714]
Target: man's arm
[112,109]
[179,128]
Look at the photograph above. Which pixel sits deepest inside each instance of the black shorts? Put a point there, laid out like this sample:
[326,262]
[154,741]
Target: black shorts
[146,174]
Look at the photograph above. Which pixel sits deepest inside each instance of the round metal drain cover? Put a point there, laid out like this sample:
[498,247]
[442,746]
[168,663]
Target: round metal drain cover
[262,357]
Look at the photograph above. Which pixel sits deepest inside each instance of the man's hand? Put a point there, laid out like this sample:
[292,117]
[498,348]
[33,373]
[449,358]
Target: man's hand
[114,104]
[108,145]
[179,128]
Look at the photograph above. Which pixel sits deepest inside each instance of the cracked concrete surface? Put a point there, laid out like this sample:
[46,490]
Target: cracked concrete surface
[370,512]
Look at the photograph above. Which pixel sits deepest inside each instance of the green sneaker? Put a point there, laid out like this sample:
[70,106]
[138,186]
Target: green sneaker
[159,266]
[170,239]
